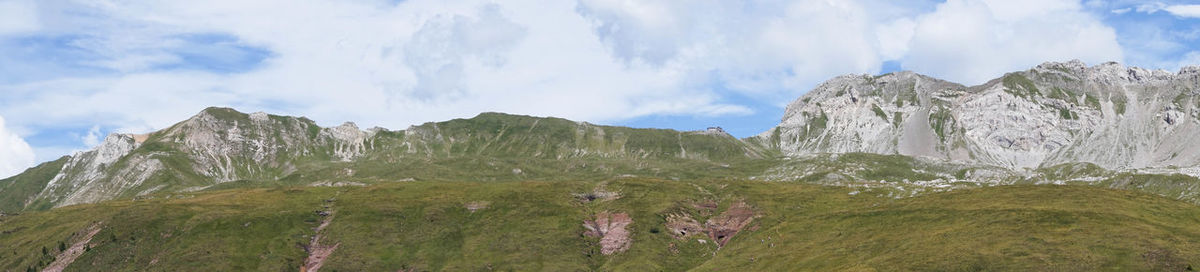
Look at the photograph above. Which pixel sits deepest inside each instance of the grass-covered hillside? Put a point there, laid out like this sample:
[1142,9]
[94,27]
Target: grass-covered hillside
[645,224]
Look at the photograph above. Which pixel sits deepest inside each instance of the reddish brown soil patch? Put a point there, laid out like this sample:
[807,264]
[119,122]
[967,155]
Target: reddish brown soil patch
[140,138]
[705,207]
[719,228]
[722,227]
[318,253]
[66,257]
[682,225]
[610,227]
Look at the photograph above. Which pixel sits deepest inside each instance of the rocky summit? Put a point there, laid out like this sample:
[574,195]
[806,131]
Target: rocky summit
[860,174]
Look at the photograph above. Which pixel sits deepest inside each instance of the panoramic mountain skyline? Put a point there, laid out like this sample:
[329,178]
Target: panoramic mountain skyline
[75,71]
[599,135]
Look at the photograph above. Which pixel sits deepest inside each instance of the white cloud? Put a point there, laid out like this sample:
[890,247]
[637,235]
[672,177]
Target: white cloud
[93,137]
[1189,59]
[1191,11]
[774,50]
[437,50]
[1184,10]
[971,41]
[15,154]
[1151,7]
[17,16]
[894,38]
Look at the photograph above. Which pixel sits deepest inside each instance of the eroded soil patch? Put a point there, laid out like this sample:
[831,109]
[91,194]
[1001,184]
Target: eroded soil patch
[317,252]
[66,257]
[722,227]
[719,228]
[611,228]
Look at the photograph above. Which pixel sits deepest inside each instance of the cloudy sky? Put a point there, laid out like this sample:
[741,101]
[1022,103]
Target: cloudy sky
[74,71]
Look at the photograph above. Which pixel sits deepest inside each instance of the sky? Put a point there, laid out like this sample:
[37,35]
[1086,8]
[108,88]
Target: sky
[72,72]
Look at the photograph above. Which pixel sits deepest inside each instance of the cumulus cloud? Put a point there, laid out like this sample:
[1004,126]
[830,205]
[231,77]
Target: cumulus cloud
[971,41]
[437,50]
[15,154]
[773,49]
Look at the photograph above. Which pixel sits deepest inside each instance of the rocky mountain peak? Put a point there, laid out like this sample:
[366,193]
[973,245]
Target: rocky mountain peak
[1111,115]
[1189,72]
[1111,73]
[1074,67]
[898,89]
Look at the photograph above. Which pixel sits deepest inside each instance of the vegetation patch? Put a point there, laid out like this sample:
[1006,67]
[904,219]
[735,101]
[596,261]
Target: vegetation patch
[939,119]
[1020,85]
[1067,114]
[879,112]
[1091,101]
[1119,106]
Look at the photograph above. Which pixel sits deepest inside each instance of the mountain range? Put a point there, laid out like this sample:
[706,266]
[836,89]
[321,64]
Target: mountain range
[857,152]
[1102,121]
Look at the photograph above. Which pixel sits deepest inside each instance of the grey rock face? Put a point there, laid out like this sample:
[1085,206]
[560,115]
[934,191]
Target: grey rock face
[220,145]
[1114,116]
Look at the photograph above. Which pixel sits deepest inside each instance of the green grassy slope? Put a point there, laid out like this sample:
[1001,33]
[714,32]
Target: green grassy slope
[534,225]
[17,190]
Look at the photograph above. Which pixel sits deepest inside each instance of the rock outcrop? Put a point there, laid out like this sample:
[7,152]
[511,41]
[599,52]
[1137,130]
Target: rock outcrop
[217,145]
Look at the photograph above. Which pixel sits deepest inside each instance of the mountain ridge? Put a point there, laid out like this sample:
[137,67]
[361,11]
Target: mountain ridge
[1024,127]
[222,145]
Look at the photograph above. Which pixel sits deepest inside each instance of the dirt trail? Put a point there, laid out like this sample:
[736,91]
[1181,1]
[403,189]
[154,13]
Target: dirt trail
[66,257]
[610,227]
[317,253]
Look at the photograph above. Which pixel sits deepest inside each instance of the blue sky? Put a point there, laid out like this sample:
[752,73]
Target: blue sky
[73,71]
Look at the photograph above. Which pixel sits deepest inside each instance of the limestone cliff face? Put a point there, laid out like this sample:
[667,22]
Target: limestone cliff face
[215,146]
[1110,115]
